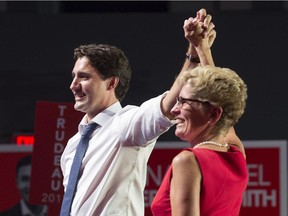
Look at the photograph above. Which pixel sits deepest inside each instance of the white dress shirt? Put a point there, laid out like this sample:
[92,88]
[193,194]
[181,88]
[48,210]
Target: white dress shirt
[115,164]
[27,212]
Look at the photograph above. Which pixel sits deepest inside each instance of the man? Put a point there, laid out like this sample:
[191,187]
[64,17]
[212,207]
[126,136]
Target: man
[113,171]
[24,208]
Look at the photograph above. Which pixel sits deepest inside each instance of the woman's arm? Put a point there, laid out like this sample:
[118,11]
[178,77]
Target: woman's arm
[185,185]
[200,33]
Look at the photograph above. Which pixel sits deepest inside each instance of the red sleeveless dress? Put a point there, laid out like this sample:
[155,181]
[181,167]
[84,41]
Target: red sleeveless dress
[224,180]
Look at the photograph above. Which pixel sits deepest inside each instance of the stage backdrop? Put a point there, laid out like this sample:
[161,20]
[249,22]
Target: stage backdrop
[266,193]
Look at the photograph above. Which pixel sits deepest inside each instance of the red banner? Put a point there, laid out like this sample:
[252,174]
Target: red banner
[266,193]
[55,123]
[10,155]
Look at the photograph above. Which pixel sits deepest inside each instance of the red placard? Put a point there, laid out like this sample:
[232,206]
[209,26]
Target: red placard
[266,193]
[10,154]
[55,123]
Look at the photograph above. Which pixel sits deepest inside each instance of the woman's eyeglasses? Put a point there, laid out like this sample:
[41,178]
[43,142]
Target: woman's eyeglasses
[181,101]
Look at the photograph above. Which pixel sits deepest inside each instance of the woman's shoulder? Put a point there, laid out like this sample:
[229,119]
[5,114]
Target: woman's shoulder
[185,158]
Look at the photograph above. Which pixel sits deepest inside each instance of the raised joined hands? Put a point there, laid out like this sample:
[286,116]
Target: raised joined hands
[199,31]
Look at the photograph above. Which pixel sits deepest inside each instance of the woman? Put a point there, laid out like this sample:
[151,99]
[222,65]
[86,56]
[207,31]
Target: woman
[210,177]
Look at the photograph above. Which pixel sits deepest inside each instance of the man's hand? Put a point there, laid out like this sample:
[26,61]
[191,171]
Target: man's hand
[200,30]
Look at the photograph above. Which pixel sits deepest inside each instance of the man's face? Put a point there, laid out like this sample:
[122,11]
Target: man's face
[90,91]
[23,181]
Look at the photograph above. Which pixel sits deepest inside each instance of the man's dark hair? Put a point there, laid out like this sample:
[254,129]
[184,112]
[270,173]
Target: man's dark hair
[109,61]
[25,161]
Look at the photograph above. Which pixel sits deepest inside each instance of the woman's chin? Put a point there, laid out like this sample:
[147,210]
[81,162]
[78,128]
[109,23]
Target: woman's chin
[179,134]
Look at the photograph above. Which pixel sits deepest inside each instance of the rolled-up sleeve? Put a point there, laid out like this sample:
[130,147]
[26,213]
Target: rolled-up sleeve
[144,123]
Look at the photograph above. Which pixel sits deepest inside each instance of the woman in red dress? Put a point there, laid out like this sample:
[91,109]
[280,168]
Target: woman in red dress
[210,177]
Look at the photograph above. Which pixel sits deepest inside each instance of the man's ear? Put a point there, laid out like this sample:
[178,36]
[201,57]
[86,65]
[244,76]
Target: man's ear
[216,114]
[112,82]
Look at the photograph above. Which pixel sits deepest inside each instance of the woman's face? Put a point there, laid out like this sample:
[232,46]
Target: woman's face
[192,116]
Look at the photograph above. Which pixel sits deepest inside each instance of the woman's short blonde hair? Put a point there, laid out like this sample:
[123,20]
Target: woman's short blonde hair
[220,87]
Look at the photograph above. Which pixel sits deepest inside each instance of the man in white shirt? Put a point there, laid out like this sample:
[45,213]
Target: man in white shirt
[113,171]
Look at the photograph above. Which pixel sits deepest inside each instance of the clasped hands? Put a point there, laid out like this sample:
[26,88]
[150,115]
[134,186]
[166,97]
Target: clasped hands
[199,31]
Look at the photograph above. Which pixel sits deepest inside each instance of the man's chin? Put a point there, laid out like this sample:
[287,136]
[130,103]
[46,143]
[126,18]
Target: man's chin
[79,107]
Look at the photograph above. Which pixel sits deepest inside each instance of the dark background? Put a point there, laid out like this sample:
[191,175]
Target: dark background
[37,41]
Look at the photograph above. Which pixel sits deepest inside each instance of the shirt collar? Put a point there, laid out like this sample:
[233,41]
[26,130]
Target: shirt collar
[26,211]
[24,208]
[102,117]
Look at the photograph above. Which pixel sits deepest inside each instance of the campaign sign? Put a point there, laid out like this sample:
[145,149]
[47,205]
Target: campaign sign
[55,123]
[10,155]
[266,193]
